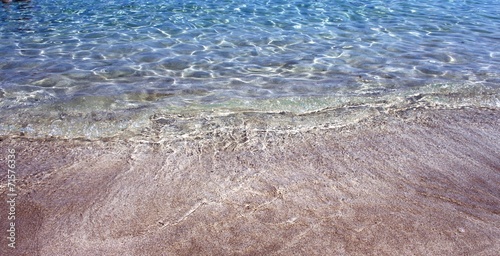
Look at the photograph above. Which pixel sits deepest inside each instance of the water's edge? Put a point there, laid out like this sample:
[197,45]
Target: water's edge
[88,118]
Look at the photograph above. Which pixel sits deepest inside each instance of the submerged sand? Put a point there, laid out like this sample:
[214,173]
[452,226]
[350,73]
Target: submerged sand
[413,182]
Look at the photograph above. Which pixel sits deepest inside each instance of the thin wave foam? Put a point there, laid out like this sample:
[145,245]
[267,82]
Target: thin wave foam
[91,120]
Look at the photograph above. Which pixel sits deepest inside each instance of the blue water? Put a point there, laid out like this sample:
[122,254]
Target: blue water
[127,54]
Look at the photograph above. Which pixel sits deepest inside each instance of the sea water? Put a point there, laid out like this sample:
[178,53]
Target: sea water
[97,68]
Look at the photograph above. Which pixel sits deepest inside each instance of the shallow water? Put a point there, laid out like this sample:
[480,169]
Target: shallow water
[136,58]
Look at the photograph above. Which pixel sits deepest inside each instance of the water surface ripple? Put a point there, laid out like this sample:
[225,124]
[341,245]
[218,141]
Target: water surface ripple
[130,54]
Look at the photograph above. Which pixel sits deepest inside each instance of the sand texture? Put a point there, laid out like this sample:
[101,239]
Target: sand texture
[414,182]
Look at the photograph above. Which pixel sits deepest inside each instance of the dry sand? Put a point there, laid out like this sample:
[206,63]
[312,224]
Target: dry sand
[414,182]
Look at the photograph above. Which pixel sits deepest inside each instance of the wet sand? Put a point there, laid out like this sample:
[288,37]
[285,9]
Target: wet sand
[413,182]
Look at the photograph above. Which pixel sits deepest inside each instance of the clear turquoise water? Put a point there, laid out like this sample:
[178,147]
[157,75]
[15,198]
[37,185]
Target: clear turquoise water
[80,56]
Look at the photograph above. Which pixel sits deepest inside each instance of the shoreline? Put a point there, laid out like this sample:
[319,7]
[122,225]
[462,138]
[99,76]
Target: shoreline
[422,181]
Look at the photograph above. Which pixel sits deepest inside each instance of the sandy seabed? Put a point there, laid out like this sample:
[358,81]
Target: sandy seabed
[413,182]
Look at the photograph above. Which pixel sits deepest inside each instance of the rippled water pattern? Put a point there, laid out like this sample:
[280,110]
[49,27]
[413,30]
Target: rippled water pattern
[178,52]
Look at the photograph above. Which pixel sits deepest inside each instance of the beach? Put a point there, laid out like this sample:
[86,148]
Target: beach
[134,127]
[417,181]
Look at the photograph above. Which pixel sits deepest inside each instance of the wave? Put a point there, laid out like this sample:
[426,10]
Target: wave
[95,118]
